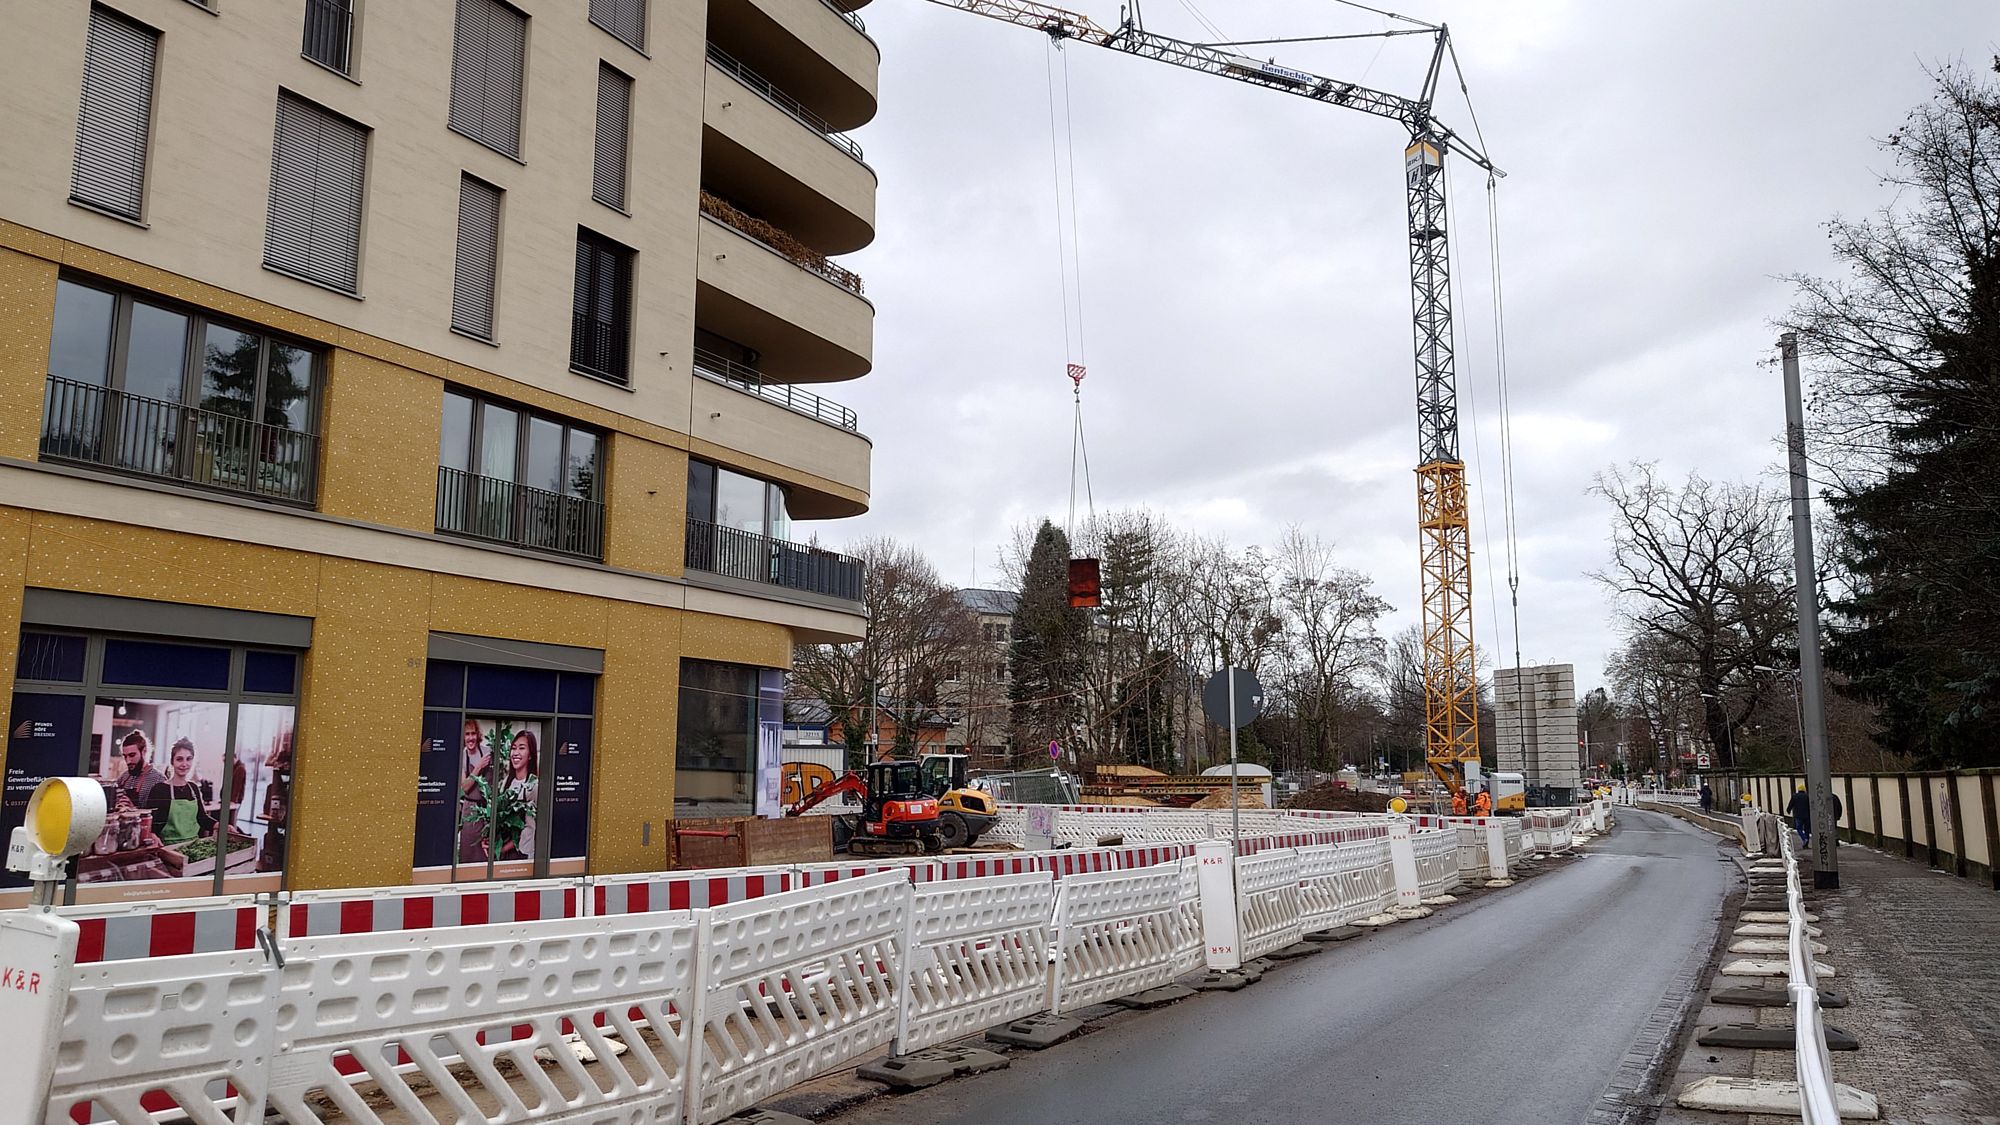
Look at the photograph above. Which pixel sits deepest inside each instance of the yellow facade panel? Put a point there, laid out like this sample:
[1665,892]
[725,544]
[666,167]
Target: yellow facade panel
[380,426]
[497,609]
[354,801]
[647,487]
[632,790]
[74,553]
[705,636]
[27,306]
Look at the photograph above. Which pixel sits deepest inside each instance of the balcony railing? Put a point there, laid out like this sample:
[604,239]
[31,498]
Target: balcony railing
[759,558]
[95,425]
[850,17]
[780,243]
[729,373]
[502,511]
[329,31]
[792,106]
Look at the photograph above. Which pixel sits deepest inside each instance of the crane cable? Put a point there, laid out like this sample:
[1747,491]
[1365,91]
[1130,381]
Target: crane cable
[1069,264]
[1472,409]
[1506,408]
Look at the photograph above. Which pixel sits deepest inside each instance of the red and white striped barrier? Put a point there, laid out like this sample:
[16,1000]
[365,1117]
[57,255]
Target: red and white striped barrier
[126,931]
[642,894]
[1082,861]
[378,910]
[1152,855]
[980,867]
[820,874]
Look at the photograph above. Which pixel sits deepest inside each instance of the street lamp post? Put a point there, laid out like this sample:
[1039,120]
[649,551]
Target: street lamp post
[1819,776]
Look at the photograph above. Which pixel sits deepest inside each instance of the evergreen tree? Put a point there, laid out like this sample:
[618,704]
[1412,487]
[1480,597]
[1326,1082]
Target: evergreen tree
[1046,655]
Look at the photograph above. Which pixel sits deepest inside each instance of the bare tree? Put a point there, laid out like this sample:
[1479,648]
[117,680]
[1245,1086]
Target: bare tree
[1705,569]
[1328,613]
[920,637]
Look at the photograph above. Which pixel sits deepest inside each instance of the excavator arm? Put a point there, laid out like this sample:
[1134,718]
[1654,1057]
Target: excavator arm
[845,783]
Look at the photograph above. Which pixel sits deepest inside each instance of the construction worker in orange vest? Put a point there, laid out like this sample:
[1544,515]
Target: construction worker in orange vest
[1458,803]
[1483,804]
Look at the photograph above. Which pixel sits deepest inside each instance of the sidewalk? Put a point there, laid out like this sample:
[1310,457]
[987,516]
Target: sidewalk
[1918,952]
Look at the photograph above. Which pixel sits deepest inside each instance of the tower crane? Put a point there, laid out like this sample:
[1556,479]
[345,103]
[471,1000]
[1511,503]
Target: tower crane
[1451,686]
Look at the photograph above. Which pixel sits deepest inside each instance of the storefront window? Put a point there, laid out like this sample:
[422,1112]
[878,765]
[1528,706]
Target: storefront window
[503,788]
[727,739]
[192,743]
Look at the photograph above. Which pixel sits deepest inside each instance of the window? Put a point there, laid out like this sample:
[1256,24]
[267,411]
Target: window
[512,476]
[601,320]
[625,19]
[475,275]
[329,33]
[319,165]
[191,740]
[727,725]
[488,57]
[503,780]
[140,385]
[114,115]
[727,498]
[614,116]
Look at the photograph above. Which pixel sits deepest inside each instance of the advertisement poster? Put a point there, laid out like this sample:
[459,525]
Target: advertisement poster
[259,798]
[570,815]
[499,790]
[42,738]
[440,767]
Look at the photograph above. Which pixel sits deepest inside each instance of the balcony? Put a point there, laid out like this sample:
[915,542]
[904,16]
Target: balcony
[780,243]
[791,106]
[717,369]
[501,511]
[750,557]
[819,52]
[90,424]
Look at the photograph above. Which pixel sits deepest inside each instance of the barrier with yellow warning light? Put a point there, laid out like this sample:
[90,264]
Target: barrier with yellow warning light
[37,946]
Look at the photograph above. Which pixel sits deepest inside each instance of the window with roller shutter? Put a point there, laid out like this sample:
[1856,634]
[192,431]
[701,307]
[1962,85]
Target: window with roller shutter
[601,318]
[114,114]
[476,272]
[614,127]
[319,164]
[488,59]
[624,19]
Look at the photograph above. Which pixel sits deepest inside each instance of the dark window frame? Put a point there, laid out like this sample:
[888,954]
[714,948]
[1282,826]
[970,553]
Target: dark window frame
[137,214]
[644,17]
[525,417]
[475,131]
[199,321]
[599,189]
[342,12]
[318,216]
[492,297]
[624,263]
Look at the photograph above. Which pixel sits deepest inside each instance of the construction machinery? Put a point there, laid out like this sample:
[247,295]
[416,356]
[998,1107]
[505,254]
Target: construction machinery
[897,817]
[1451,686]
[964,813]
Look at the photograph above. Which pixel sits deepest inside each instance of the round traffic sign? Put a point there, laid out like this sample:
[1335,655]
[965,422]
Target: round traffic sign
[1249,697]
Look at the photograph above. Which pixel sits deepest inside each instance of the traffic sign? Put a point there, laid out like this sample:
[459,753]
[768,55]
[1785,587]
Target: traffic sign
[1701,761]
[1249,697]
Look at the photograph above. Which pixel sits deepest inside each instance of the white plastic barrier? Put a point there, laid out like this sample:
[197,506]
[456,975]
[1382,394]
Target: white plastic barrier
[1472,863]
[793,985]
[1189,939]
[980,956]
[684,890]
[364,910]
[1516,839]
[1437,860]
[1549,829]
[119,931]
[1267,902]
[1343,883]
[1116,934]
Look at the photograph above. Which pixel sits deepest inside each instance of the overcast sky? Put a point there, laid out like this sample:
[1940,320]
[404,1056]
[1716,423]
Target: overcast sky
[1245,294]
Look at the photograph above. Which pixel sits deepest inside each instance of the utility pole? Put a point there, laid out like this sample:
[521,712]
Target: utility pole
[1812,680]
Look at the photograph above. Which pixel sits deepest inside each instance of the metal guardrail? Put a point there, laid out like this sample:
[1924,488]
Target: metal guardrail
[1819,1102]
[96,425]
[518,514]
[729,373]
[735,553]
[850,17]
[791,106]
[779,242]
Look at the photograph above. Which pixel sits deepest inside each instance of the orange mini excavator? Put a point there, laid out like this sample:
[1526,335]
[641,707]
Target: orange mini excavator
[897,817]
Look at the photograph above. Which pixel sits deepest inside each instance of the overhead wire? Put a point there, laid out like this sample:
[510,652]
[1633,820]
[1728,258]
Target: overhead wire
[1472,412]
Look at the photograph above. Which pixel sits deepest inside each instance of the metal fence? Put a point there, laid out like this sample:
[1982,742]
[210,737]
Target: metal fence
[505,512]
[329,31]
[104,426]
[792,107]
[850,17]
[729,373]
[734,553]
[779,242]
[1948,819]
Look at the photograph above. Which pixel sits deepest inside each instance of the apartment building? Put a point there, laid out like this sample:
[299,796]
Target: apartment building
[976,699]
[403,412]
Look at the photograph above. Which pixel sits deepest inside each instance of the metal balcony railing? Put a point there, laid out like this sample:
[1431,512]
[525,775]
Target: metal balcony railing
[717,369]
[850,17]
[96,425]
[779,242]
[792,107]
[759,558]
[505,512]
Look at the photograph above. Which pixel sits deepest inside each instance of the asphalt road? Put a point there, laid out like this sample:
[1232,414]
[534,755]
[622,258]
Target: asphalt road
[1513,1006]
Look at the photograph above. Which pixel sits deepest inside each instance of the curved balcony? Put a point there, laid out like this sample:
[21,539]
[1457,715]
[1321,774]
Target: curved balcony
[805,315]
[771,154]
[817,51]
[810,443]
[749,557]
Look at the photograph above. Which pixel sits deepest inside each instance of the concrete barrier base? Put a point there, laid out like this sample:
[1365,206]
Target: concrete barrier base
[1757,1037]
[1386,918]
[1750,967]
[1780,1099]
[1777,916]
[1411,913]
[1154,997]
[1338,933]
[1035,1032]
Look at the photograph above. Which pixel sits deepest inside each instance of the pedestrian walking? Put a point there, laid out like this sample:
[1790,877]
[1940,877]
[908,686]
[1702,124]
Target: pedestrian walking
[1800,811]
[1707,798]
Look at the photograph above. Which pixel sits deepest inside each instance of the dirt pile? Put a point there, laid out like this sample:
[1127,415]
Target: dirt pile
[1330,798]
